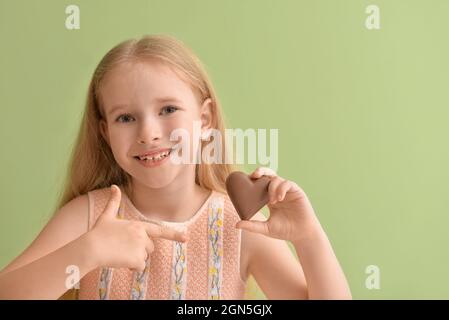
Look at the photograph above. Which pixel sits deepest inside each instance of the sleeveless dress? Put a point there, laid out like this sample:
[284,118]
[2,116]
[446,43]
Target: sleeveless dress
[207,266]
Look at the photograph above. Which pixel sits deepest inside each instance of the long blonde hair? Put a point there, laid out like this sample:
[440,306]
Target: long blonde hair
[92,164]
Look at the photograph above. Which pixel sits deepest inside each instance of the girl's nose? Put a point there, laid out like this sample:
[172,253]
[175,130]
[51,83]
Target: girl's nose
[149,133]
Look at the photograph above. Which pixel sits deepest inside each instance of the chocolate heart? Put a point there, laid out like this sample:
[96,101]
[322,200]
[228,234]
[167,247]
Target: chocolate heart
[248,195]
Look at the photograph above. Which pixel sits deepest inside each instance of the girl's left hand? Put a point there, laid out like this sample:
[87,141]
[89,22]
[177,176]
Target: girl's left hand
[291,218]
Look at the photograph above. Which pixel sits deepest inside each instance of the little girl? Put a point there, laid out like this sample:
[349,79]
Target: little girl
[134,225]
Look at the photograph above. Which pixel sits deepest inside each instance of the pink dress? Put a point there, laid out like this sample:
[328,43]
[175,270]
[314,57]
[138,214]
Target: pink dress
[205,267]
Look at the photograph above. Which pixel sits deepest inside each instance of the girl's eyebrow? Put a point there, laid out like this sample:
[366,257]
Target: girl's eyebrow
[157,100]
[116,107]
[166,99]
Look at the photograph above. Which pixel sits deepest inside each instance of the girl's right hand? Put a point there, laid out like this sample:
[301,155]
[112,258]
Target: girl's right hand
[120,243]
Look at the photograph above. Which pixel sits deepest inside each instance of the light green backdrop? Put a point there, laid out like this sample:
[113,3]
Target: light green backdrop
[362,114]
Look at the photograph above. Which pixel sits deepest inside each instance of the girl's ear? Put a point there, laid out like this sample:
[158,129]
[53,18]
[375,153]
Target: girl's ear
[206,114]
[104,131]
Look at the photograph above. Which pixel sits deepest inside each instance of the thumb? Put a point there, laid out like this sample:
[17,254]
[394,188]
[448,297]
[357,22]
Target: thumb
[113,204]
[254,226]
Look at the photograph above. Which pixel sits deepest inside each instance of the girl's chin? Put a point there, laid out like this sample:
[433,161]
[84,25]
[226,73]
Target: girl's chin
[156,181]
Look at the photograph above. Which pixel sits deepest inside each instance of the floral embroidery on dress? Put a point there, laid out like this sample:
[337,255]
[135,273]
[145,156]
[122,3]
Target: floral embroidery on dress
[104,283]
[179,271]
[139,285]
[215,237]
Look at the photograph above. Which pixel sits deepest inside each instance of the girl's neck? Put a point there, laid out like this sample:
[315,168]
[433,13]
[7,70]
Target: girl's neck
[177,202]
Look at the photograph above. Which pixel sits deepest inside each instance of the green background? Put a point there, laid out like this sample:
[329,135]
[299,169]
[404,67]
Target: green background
[362,114]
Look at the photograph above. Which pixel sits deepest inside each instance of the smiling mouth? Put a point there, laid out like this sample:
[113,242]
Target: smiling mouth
[155,157]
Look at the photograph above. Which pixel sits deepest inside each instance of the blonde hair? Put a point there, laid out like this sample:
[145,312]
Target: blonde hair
[92,164]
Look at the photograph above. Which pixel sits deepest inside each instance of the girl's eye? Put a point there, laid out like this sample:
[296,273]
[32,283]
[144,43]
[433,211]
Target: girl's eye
[124,118]
[169,109]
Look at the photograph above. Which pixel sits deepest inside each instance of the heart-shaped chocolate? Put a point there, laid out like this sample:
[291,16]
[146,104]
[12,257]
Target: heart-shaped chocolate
[248,195]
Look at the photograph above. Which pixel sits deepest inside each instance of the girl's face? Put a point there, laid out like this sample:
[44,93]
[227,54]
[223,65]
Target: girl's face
[143,103]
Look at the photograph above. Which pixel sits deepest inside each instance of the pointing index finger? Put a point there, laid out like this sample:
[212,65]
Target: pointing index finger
[157,230]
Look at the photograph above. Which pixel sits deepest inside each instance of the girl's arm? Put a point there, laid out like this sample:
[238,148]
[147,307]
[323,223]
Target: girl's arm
[324,276]
[318,274]
[46,277]
[39,272]
[270,261]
